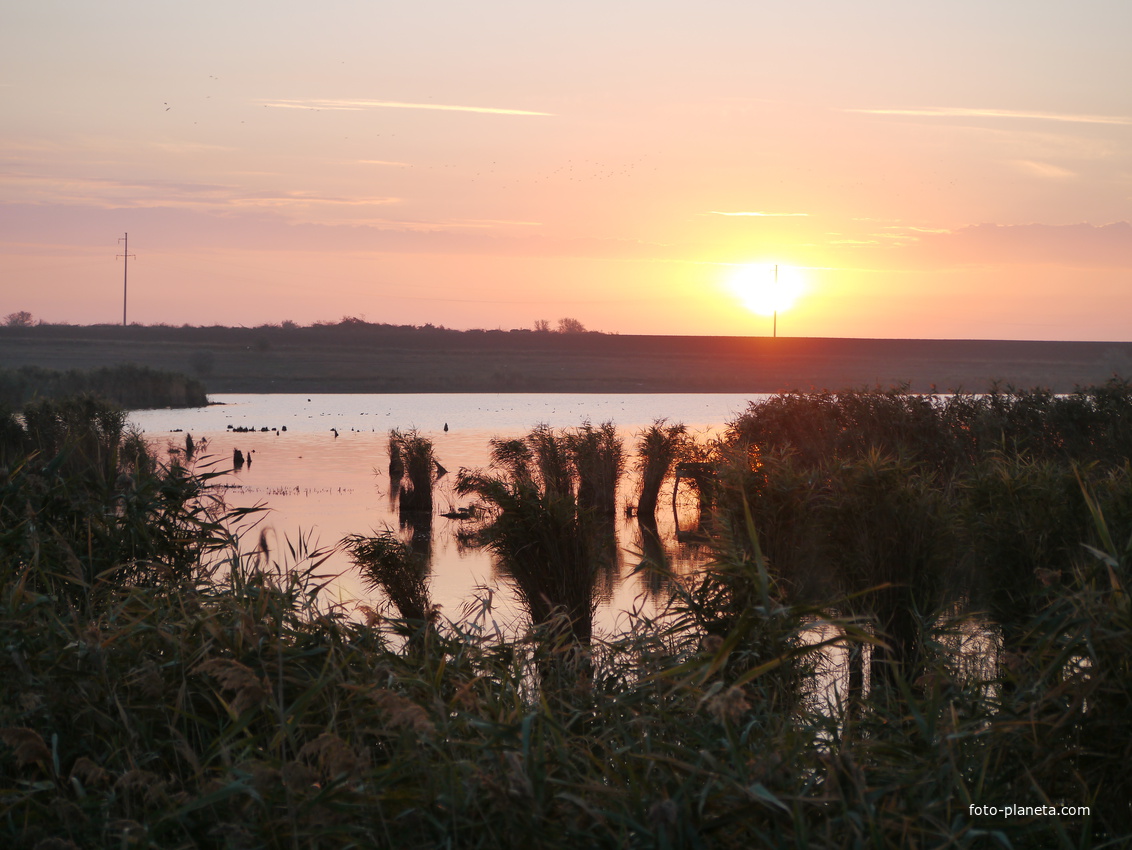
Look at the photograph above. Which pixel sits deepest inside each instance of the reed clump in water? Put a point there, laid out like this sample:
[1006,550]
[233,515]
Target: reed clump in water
[906,505]
[598,459]
[548,503]
[658,447]
[534,523]
[396,459]
[412,463]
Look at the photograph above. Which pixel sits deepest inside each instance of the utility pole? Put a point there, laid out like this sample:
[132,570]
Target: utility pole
[125,271]
[776,297]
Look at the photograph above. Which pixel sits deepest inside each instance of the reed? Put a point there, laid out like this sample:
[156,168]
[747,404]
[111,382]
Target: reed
[127,385]
[418,461]
[533,521]
[891,540]
[230,704]
[390,565]
[552,458]
[658,448]
[396,459]
[87,507]
[966,499]
[1023,519]
[598,458]
[541,542]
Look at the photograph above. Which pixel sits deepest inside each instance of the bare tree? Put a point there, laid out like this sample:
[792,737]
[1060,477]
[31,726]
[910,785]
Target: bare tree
[542,325]
[20,319]
[570,326]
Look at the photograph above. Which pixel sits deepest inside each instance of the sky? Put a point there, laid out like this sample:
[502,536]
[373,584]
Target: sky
[914,170]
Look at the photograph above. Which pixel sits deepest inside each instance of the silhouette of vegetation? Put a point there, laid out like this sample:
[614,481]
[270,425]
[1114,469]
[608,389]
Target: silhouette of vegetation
[389,564]
[598,460]
[570,326]
[413,456]
[171,683]
[907,505]
[544,504]
[126,385]
[658,448]
[86,508]
[396,459]
[19,319]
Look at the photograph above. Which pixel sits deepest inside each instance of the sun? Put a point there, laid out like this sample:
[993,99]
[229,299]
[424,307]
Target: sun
[767,288]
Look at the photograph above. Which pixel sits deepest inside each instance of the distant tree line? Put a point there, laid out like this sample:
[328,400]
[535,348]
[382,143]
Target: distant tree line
[565,326]
[127,385]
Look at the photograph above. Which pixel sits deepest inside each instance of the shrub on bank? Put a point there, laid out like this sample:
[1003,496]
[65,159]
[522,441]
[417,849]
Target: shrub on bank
[126,385]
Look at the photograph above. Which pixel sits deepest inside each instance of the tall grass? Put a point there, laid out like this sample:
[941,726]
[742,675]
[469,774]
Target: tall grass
[533,522]
[658,448]
[396,459]
[230,705]
[907,505]
[598,459]
[87,508]
[392,566]
[126,384]
[412,463]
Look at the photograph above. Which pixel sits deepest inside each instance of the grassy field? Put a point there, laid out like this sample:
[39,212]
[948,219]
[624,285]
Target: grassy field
[358,357]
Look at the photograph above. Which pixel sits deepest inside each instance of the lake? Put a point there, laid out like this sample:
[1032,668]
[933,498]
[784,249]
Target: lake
[325,476]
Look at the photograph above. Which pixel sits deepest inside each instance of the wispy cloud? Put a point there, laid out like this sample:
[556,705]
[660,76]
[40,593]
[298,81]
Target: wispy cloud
[1043,169]
[912,228]
[360,105]
[1069,245]
[112,193]
[761,214]
[964,112]
[495,222]
[290,199]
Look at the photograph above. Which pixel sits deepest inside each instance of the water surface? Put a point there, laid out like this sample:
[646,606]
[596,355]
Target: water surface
[325,476]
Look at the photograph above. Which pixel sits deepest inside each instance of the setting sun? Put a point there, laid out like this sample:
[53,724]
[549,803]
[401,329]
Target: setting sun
[766,288]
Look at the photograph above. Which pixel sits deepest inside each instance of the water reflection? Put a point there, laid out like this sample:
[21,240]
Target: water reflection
[965,649]
[347,479]
[323,469]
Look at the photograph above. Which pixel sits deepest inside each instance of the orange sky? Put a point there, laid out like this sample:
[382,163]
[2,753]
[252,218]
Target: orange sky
[960,170]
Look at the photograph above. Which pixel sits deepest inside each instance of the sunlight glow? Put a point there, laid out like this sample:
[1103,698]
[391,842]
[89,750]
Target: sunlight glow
[755,286]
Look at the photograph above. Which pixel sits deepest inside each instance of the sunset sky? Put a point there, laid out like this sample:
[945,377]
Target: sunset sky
[948,170]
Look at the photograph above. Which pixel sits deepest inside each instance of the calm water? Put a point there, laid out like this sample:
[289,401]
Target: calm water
[326,486]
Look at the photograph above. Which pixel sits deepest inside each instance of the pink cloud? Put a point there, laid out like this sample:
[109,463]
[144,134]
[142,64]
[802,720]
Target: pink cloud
[1106,246]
